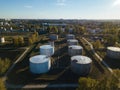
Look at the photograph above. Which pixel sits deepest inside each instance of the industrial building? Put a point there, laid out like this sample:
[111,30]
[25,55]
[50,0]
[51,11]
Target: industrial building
[2,40]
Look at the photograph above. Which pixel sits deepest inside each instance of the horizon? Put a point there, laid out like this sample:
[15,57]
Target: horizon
[60,9]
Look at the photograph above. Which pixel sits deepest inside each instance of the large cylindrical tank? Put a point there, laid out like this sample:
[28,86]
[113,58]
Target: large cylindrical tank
[53,37]
[72,42]
[2,40]
[70,36]
[113,52]
[81,65]
[39,64]
[47,50]
[75,50]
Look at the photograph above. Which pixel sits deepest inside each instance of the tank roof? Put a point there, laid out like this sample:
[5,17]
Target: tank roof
[81,59]
[46,46]
[39,59]
[70,35]
[114,49]
[75,47]
[54,34]
[72,40]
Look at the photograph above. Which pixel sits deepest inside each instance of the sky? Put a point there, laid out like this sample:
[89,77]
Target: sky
[60,9]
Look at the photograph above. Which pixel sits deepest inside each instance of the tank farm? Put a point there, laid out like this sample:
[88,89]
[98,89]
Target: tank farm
[55,60]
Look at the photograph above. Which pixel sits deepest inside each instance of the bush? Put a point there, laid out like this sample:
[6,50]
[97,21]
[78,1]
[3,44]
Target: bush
[87,84]
[2,86]
[107,83]
[4,65]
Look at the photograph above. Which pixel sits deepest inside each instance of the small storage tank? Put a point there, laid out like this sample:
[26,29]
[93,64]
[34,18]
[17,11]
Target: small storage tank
[81,65]
[72,42]
[51,43]
[70,36]
[39,64]
[70,30]
[75,50]
[62,29]
[53,37]
[113,52]
[47,50]
[2,40]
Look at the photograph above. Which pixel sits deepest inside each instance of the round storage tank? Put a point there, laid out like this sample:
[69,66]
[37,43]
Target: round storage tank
[47,50]
[113,52]
[51,43]
[70,36]
[2,40]
[81,65]
[75,50]
[40,64]
[72,42]
[70,30]
[54,37]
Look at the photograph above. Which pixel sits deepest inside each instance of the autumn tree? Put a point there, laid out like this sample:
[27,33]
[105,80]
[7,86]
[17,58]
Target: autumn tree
[4,65]
[30,41]
[15,41]
[87,84]
[21,40]
[119,36]
[107,83]
[97,44]
[2,85]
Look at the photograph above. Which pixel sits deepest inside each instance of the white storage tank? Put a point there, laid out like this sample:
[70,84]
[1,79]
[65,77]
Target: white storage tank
[62,29]
[47,50]
[72,42]
[75,50]
[51,43]
[81,65]
[2,40]
[39,64]
[53,37]
[113,52]
[70,36]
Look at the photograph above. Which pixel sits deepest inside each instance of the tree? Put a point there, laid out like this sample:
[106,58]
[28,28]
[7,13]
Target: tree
[108,83]
[21,40]
[119,35]
[15,41]
[97,44]
[54,29]
[2,86]
[4,65]
[111,40]
[30,41]
[87,84]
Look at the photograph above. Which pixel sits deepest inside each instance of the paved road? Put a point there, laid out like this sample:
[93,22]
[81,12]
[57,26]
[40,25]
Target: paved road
[43,86]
